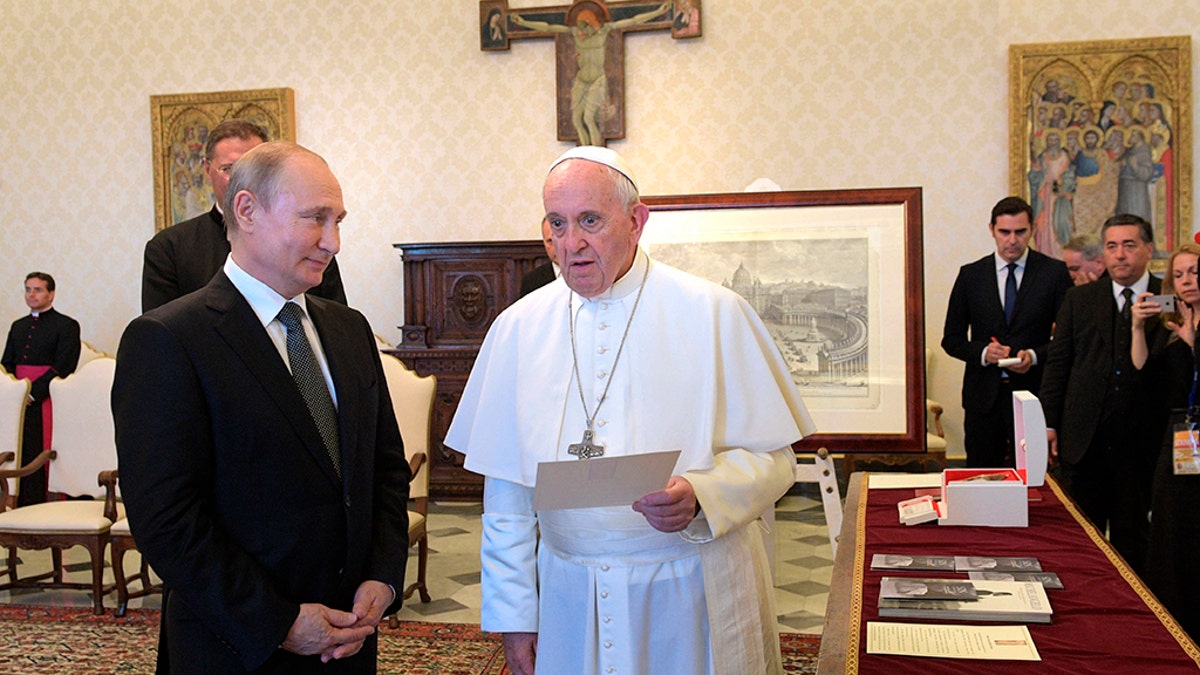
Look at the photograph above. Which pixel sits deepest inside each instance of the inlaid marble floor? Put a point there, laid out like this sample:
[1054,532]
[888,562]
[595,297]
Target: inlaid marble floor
[802,556]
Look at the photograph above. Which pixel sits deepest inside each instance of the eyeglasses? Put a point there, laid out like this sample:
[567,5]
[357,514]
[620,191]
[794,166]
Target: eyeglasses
[223,169]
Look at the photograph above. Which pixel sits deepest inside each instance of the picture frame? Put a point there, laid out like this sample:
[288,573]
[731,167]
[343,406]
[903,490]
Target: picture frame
[830,272]
[179,125]
[1101,127]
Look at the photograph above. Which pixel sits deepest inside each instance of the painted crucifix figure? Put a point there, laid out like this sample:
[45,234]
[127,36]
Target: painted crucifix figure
[589,43]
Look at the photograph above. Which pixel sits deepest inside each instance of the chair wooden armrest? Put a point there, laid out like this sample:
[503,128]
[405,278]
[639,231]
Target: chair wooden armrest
[935,409]
[416,462]
[20,472]
[30,468]
[4,494]
[108,481]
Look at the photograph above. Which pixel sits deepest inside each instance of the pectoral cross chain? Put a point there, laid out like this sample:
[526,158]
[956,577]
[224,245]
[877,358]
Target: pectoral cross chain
[587,448]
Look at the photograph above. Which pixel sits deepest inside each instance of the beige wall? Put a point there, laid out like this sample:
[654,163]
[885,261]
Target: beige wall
[435,140]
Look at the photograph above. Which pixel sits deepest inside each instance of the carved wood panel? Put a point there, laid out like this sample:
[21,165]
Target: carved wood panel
[452,293]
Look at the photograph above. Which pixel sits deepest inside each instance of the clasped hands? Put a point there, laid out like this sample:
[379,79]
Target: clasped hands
[335,634]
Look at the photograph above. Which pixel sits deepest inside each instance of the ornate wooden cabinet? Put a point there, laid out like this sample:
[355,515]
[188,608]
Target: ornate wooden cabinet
[452,293]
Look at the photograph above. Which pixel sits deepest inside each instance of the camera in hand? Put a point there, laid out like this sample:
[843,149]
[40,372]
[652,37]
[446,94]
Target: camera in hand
[1166,302]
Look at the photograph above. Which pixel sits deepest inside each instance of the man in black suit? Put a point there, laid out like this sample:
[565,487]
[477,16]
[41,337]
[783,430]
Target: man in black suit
[546,272]
[272,503]
[1100,428]
[184,257]
[41,346]
[1002,307]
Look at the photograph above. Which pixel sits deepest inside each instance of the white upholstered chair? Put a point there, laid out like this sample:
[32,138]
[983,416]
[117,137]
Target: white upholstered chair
[88,353]
[14,394]
[122,543]
[82,460]
[412,399]
[935,434]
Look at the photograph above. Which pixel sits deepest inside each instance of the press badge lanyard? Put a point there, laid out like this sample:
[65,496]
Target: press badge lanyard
[1186,441]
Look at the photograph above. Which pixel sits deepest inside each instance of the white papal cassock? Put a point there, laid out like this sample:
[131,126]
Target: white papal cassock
[605,592]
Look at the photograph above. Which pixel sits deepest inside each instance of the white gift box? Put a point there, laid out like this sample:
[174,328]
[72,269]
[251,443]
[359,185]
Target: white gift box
[1000,497]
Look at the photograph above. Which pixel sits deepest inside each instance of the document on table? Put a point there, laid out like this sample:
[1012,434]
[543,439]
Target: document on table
[601,481]
[883,481]
[994,643]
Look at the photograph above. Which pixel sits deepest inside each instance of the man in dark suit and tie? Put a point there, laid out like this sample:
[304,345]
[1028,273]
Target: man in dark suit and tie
[184,257]
[261,463]
[1002,307]
[1101,431]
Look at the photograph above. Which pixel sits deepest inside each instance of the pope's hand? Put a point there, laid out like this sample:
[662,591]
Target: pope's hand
[669,510]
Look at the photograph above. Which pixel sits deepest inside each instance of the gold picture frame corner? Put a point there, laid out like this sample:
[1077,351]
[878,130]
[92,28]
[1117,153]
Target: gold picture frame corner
[179,124]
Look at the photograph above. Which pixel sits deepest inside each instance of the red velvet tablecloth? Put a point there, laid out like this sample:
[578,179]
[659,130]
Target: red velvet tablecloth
[1105,620]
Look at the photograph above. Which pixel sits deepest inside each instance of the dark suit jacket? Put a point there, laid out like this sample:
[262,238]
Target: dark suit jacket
[184,257]
[975,315]
[54,343]
[539,276]
[228,488]
[1080,365]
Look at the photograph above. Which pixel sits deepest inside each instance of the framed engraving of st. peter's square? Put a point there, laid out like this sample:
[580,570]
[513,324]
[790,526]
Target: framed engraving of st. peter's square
[1099,128]
[179,126]
[837,277]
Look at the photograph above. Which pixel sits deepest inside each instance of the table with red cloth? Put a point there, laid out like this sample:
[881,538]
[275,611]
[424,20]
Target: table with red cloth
[1105,620]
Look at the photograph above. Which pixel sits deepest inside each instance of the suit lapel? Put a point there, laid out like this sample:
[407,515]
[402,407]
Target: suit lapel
[239,326]
[1105,308]
[991,286]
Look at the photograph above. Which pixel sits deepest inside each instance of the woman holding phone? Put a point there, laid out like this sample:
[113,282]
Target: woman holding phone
[1169,360]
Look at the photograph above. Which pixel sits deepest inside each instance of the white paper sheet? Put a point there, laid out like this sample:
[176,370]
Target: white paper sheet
[994,643]
[883,481]
[601,481]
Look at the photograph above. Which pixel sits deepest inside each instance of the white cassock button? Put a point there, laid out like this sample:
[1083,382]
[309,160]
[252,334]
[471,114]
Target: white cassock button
[602,326]
[604,305]
[610,669]
[602,350]
[604,594]
[601,422]
[604,568]
[608,619]
[601,375]
[608,645]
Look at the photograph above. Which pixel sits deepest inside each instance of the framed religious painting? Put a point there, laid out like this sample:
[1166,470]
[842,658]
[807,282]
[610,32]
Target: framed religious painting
[1100,128]
[179,126]
[837,277]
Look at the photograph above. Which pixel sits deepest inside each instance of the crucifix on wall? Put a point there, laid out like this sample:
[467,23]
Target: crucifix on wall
[589,43]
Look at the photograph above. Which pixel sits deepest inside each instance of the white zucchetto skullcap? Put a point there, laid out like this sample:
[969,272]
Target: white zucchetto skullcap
[599,155]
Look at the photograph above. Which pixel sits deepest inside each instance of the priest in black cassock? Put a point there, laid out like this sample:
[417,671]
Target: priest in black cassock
[40,347]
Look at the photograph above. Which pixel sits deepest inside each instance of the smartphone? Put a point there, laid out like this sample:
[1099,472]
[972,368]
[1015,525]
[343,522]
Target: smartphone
[1166,302]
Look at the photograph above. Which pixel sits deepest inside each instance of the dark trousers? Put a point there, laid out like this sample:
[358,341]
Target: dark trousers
[33,487]
[988,434]
[1111,485]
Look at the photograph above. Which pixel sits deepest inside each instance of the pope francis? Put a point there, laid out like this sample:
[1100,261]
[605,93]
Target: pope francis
[623,355]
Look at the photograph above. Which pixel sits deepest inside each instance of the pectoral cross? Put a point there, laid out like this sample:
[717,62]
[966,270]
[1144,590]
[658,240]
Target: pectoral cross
[589,39]
[586,449]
